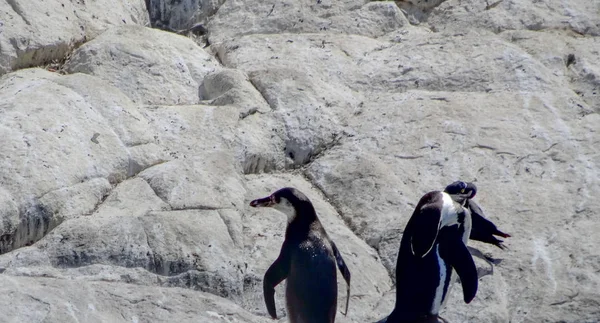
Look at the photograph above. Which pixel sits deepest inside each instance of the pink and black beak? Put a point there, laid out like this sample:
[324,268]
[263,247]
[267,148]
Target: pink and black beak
[263,202]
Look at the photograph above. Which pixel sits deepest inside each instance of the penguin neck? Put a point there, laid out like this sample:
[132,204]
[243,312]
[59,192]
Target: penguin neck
[300,224]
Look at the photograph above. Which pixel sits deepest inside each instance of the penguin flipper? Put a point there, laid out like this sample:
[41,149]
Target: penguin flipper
[426,221]
[483,229]
[456,254]
[277,272]
[344,270]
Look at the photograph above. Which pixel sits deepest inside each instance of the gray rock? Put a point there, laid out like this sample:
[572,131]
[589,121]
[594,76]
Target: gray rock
[140,61]
[133,197]
[74,201]
[177,14]
[60,300]
[237,18]
[580,16]
[38,33]
[232,87]
[135,174]
[45,123]
[190,183]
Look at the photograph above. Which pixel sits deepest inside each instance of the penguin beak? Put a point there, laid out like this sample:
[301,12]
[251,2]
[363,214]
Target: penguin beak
[263,202]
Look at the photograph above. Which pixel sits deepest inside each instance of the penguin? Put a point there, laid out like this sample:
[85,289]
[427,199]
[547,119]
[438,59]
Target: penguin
[307,259]
[433,247]
[483,229]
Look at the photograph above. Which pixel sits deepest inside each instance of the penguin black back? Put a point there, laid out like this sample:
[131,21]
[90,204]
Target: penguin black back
[432,245]
[307,260]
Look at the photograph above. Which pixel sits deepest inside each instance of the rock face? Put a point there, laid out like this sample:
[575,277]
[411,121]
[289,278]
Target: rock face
[140,61]
[36,33]
[180,14]
[125,178]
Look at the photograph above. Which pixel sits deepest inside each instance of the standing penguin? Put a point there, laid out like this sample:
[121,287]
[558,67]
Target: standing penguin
[433,246]
[483,229]
[307,259]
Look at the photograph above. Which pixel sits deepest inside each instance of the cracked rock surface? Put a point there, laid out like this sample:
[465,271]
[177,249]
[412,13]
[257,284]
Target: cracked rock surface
[129,154]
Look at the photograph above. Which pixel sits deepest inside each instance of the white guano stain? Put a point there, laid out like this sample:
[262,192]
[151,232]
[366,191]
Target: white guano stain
[541,253]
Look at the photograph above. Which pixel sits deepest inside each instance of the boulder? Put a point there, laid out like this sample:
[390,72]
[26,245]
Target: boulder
[177,14]
[140,61]
[38,33]
[578,16]
[61,148]
[37,299]
[131,176]
[237,18]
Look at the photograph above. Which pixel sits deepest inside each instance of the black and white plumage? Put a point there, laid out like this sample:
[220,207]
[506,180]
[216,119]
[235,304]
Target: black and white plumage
[433,246]
[483,229]
[307,260]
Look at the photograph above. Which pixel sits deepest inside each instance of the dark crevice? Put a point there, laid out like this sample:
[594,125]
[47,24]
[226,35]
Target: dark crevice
[318,152]
[36,221]
[164,199]
[17,9]
[252,111]
[253,83]
[230,230]
[99,204]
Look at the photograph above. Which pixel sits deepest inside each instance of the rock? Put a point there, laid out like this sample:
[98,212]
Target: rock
[498,16]
[296,94]
[133,172]
[177,14]
[196,242]
[134,190]
[229,87]
[9,213]
[115,107]
[191,183]
[362,17]
[35,34]
[73,201]
[140,61]
[39,299]
[48,131]
[572,58]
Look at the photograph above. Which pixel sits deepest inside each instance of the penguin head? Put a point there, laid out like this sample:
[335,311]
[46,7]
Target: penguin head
[465,190]
[287,200]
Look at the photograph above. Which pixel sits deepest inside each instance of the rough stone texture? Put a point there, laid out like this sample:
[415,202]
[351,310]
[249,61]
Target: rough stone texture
[60,300]
[38,32]
[140,61]
[237,17]
[124,185]
[579,16]
[178,14]
[60,148]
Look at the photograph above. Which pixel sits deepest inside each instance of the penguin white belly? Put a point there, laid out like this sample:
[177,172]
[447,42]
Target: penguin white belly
[439,300]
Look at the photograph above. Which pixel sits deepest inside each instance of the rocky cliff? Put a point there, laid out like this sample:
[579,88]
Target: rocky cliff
[129,154]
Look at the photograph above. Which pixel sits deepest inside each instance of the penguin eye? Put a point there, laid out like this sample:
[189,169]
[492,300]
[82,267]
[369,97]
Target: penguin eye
[462,190]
